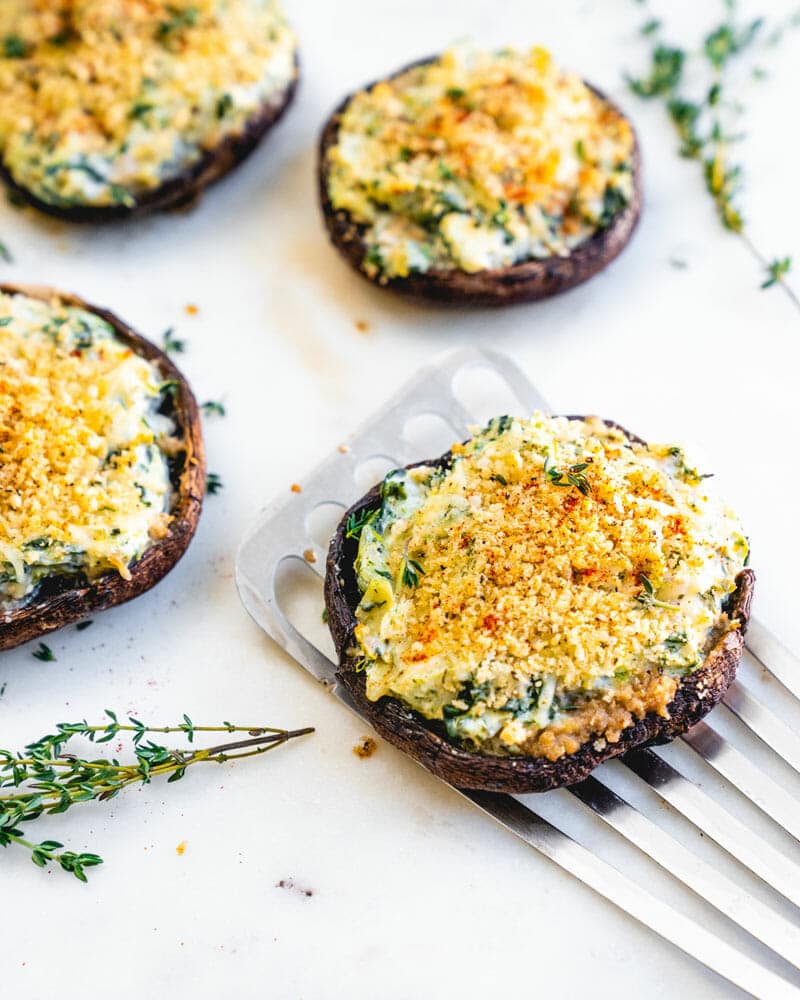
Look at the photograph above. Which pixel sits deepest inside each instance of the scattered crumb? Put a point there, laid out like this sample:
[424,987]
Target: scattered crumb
[289,883]
[365,747]
[344,448]
[296,488]
[362,326]
[192,310]
[3,687]
[181,848]
[82,625]
[679,263]
[310,556]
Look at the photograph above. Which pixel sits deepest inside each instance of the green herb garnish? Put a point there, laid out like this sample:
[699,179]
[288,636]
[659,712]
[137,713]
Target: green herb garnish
[412,571]
[46,780]
[177,21]
[213,483]
[170,342]
[224,105]
[44,653]
[574,475]
[648,597]
[776,269]
[213,409]
[701,109]
[355,522]
[15,47]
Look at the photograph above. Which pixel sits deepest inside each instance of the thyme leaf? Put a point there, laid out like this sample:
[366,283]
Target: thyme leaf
[213,483]
[776,269]
[212,409]
[171,344]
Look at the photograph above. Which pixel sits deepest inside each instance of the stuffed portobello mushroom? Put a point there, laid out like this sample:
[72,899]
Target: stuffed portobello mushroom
[480,178]
[102,469]
[546,596]
[109,108]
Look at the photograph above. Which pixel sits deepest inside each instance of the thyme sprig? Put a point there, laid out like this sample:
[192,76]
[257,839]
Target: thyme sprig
[412,571]
[47,780]
[703,123]
[575,475]
[648,596]
[355,522]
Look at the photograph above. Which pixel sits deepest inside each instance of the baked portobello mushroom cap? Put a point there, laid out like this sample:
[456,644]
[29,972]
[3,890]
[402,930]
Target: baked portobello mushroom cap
[63,599]
[526,281]
[112,110]
[185,187]
[426,741]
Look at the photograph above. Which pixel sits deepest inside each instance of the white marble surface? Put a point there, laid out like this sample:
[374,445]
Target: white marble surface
[415,894]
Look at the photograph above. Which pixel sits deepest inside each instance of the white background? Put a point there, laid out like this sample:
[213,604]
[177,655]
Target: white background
[415,894]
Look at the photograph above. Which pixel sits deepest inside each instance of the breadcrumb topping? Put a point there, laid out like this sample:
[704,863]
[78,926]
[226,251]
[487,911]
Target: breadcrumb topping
[84,483]
[554,583]
[101,100]
[478,160]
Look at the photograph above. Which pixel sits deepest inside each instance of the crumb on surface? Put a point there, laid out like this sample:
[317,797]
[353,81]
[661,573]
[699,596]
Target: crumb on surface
[344,448]
[296,488]
[365,747]
[191,309]
[310,556]
[289,883]
[181,848]
[363,326]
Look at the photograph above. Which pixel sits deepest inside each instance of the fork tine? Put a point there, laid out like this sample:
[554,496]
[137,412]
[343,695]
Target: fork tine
[774,656]
[744,775]
[766,725]
[683,932]
[757,919]
[698,807]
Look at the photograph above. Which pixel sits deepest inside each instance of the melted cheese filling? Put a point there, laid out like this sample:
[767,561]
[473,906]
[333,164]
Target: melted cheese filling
[84,482]
[102,100]
[552,585]
[478,160]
